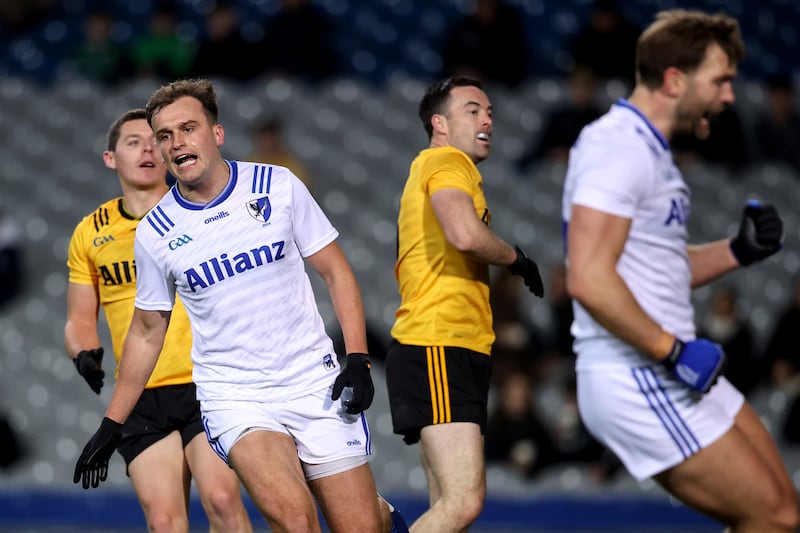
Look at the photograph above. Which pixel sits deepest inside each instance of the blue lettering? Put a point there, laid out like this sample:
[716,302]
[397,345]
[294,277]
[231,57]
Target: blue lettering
[678,212]
[257,254]
[242,262]
[217,269]
[194,280]
[278,249]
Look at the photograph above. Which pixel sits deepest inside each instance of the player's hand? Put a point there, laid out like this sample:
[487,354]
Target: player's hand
[529,271]
[760,233]
[696,363]
[92,465]
[355,374]
[88,365]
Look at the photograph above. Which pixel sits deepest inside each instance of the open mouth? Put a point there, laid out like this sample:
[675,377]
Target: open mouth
[483,136]
[703,127]
[185,159]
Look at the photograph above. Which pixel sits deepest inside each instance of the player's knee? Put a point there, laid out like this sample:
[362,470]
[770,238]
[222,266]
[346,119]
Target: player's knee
[163,521]
[466,508]
[224,505]
[787,516]
[288,522]
[780,513]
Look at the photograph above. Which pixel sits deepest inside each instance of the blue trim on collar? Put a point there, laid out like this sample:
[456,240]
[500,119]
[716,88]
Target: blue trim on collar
[221,197]
[622,102]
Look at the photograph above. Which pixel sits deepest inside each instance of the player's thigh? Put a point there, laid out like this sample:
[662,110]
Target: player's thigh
[750,424]
[453,454]
[210,473]
[729,479]
[160,477]
[348,500]
[267,463]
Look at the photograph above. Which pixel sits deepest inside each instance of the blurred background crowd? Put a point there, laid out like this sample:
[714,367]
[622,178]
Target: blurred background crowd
[329,88]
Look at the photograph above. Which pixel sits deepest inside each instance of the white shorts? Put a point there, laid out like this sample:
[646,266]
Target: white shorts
[650,420]
[321,429]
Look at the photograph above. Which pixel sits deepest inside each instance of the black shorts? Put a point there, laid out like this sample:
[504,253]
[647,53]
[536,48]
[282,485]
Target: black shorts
[435,385]
[159,412]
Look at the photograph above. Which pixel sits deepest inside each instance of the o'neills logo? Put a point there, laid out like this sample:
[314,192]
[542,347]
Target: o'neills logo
[221,214]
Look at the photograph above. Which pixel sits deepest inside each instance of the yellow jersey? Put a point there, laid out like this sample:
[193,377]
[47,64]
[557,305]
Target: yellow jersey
[101,254]
[444,293]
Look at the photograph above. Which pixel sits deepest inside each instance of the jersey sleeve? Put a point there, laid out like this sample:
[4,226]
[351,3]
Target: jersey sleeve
[154,291]
[312,229]
[447,170]
[81,269]
[613,180]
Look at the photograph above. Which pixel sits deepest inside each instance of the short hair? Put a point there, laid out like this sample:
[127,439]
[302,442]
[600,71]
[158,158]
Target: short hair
[116,127]
[679,38]
[199,89]
[437,97]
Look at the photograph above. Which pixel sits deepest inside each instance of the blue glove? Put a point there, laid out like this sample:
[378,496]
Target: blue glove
[696,363]
[760,233]
[355,374]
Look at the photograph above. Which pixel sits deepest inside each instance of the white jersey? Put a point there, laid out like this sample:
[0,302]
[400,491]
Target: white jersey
[237,264]
[622,165]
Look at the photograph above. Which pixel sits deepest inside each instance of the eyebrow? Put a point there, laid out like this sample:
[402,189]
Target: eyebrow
[472,102]
[180,125]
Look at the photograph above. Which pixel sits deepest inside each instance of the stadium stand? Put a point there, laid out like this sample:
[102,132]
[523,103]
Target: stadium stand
[357,133]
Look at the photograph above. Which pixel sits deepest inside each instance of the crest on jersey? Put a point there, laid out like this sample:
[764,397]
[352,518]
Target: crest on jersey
[260,209]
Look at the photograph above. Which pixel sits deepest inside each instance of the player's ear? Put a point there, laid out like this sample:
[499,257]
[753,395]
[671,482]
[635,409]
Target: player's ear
[110,160]
[674,81]
[219,134]
[439,123]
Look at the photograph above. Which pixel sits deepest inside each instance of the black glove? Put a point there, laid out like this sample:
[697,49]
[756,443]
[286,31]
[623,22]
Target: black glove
[760,233]
[92,465]
[696,363]
[529,271]
[355,374]
[88,365]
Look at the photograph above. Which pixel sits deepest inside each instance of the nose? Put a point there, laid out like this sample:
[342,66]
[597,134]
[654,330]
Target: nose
[728,96]
[177,140]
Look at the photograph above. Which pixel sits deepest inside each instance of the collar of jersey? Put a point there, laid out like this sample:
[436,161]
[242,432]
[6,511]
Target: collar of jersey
[657,134]
[221,197]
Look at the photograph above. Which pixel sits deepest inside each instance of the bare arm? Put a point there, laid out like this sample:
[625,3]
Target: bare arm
[80,331]
[710,261]
[595,242]
[139,356]
[464,230]
[333,267]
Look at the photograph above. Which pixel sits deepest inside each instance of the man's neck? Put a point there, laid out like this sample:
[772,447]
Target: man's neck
[205,190]
[656,107]
[137,202]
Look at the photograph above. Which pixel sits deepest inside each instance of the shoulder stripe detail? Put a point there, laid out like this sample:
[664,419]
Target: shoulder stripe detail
[648,142]
[662,406]
[258,179]
[159,220]
[101,218]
